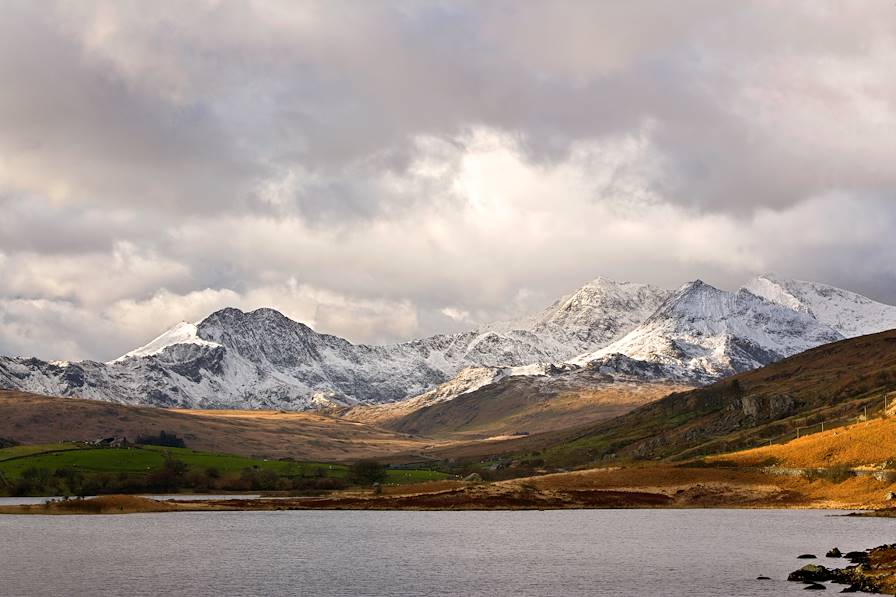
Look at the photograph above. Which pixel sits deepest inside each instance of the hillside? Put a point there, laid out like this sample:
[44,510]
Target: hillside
[518,405]
[831,383]
[32,419]
[869,443]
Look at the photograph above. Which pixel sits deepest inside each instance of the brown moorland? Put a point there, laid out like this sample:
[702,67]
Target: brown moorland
[34,419]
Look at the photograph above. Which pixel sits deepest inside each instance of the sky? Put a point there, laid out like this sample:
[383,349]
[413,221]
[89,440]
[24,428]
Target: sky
[389,170]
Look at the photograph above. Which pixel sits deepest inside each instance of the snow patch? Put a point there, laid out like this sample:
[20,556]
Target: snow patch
[182,333]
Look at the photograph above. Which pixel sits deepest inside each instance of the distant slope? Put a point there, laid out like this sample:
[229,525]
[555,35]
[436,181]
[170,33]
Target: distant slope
[831,382]
[516,405]
[32,419]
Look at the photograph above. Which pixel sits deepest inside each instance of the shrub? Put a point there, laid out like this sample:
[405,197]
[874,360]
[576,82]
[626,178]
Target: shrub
[834,474]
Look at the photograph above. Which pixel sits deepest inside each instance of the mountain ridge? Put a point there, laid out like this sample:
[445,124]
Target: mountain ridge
[263,359]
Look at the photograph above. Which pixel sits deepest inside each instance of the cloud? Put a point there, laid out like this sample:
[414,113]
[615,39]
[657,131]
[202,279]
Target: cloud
[388,170]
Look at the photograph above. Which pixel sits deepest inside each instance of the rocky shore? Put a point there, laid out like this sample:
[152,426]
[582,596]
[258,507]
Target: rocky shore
[872,571]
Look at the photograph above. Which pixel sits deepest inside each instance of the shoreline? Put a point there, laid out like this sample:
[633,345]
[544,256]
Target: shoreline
[611,500]
[658,486]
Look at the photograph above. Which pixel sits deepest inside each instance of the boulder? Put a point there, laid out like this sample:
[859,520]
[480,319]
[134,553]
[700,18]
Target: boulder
[807,556]
[815,587]
[763,578]
[473,478]
[856,557]
[834,553]
[810,573]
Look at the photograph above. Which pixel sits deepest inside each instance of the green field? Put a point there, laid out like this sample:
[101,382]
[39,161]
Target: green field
[138,462]
[20,451]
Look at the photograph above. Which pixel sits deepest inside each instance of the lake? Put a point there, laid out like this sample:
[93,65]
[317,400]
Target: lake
[572,552]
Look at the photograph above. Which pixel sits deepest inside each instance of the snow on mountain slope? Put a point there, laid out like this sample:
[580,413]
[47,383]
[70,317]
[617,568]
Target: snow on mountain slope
[702,333]
[849,313]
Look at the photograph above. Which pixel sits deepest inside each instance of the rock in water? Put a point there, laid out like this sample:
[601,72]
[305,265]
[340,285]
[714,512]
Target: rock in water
[810,573]
[856,557]
[807,556]
[815,587]
[834,553]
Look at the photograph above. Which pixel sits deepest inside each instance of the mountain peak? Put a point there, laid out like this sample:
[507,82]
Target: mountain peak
[602,282]
[696,286]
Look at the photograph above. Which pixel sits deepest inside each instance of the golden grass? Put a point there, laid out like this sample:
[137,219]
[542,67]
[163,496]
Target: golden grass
[868,443]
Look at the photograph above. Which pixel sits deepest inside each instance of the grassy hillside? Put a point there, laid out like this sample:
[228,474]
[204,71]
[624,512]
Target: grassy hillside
[78,469]
[865,444]
[833,383]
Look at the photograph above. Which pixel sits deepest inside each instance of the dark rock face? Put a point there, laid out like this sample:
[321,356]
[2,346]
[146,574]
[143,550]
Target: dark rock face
[815,587]
[806,556]
[833,553]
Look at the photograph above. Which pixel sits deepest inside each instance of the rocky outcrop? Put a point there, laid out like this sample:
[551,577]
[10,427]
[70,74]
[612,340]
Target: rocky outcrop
[873,571]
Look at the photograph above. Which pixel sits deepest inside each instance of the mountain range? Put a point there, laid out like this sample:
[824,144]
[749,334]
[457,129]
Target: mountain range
[262,359]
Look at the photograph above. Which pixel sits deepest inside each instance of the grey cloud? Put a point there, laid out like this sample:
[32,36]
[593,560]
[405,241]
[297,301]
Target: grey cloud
[232,146]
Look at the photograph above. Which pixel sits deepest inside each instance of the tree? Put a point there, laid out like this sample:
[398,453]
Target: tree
[169,477]
[169,440]
[367,472]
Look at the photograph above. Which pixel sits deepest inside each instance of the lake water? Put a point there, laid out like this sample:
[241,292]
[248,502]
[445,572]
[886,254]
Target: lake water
[573,552]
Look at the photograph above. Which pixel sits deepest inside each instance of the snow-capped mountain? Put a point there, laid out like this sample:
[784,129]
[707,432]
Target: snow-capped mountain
[234,359]
[849,313]
[703,333]
[593,316]
[262,359]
